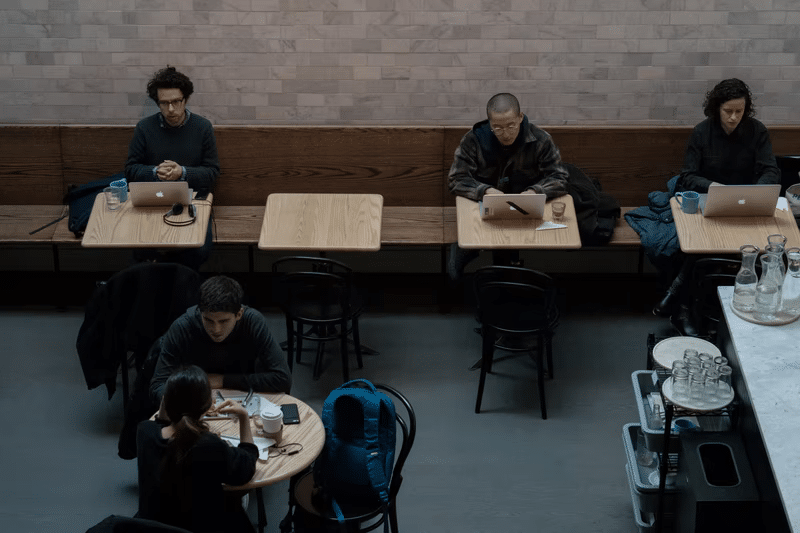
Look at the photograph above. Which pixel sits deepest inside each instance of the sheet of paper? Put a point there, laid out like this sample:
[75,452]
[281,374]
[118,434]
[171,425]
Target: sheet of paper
[263,444]
[550,225]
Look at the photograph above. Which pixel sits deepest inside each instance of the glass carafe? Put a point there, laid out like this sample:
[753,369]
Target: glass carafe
[744,291]
[791,283]
[768,290]
[776,249]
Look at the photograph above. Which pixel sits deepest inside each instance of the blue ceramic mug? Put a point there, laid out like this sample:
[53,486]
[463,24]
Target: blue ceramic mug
[122,185]
[688,200]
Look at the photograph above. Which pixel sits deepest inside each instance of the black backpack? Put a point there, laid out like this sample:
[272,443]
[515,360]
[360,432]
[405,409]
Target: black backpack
[597,212]
[80,199]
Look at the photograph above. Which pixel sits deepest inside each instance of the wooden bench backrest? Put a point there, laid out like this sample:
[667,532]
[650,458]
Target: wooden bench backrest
[402,164]
[407,165]
[30,165]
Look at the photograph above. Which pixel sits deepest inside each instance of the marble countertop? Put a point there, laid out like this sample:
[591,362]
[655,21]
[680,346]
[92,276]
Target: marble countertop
[769,358]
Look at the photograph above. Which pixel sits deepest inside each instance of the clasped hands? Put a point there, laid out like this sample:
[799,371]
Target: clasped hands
[169,171]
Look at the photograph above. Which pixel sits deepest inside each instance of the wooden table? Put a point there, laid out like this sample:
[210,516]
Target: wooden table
[724,235]
[473,232]
[322,222]
[144,227]
[309,432]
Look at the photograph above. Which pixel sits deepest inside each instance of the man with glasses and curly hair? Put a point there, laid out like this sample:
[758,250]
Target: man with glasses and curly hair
[174,144]
[503,154]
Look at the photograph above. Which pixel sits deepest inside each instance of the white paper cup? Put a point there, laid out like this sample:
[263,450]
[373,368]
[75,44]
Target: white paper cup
[272,423]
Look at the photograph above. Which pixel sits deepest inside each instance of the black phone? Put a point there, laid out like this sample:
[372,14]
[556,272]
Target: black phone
[290,413]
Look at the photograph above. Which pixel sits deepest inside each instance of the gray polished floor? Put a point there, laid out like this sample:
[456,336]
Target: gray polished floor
[505,469]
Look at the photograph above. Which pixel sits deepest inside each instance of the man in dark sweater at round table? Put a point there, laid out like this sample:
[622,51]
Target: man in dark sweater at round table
[171,145]
[228,340]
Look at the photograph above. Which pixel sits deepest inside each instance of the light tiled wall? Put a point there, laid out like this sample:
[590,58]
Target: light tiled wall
[396,61]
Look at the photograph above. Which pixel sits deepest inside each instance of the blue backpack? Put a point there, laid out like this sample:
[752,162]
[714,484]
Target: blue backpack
[355,465]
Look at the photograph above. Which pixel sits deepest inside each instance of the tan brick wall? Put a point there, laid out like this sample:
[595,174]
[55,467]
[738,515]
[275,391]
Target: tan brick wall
[397,61]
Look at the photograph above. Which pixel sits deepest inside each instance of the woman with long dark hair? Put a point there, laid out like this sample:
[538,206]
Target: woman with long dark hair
[182,466]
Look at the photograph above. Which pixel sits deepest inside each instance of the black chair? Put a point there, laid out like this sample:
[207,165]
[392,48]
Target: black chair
[126,314]
[708,274]
[317,296]
[519,313]
[306,495]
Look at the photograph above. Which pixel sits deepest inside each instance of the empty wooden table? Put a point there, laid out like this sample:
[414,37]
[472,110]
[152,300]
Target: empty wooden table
[724,235]
[322,222]
[517,234]
[144,227]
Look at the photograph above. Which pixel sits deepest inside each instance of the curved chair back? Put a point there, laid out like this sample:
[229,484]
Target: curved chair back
[511,307]
[533,278]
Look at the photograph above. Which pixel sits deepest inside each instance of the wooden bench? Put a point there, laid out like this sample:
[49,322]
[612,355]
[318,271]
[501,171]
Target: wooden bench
[407,165]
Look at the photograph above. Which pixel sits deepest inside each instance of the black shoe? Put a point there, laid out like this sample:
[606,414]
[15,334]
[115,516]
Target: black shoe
[682,321]
[666,306]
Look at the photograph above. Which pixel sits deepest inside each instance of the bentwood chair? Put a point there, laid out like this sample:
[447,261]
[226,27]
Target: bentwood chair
[708,274]
[317,296]
[525,316]
[315,512]
[517,275]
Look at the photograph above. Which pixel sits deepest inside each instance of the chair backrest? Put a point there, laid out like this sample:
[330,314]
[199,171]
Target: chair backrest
[408,431]
[299,281]
[512,307]
[708,274]
[507,306]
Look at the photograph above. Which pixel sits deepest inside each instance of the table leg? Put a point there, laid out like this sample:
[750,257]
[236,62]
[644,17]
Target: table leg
[262,513]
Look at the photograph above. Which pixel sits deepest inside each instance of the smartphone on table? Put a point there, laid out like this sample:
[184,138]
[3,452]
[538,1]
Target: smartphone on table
[290,413]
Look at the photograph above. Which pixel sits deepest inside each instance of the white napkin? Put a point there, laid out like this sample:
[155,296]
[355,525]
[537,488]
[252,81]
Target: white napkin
[783,203]
[263,444]
[550,225]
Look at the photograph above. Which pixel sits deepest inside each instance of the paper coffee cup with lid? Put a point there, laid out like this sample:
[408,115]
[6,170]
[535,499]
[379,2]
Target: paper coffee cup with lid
[272,421]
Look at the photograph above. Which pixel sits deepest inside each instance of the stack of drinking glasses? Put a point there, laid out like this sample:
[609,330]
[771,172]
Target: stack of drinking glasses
[701,380]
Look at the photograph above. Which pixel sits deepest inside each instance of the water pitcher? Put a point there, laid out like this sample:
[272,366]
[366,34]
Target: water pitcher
[744,292]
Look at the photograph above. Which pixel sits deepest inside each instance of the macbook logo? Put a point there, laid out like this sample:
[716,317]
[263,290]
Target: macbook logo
[161,195]
[742,201]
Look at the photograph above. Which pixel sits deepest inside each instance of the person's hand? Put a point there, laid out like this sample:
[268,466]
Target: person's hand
[232,407]
[528,191]
[215,380]
[492,190]
[169,171]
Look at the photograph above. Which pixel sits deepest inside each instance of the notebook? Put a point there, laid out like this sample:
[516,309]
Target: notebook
[515,206]
[740,200]
[157,193]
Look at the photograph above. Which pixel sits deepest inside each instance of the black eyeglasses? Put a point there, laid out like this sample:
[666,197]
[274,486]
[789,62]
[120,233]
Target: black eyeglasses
[166,104]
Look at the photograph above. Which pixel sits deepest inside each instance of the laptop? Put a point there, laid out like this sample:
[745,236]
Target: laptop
[512,206]
[740,200]
[158,193]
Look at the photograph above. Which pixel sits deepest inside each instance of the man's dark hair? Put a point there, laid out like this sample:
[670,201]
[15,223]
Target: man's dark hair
[220,294]
[502,103]
[169,78]
[725,90]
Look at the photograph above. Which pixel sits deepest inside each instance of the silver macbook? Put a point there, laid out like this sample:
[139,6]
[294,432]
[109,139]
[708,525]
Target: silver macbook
[740,200]
[157,193]
[516,206]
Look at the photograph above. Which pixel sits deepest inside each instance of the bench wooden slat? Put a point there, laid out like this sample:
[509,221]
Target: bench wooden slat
[17,221]
[412,225]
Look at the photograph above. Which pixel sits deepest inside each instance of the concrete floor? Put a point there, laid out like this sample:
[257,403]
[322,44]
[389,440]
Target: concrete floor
[505,469]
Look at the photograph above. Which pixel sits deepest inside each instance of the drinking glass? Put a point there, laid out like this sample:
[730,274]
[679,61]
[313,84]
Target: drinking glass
[725,383]
[712,386]
[697,389]
[112,198]
[720,360]
[689,353]
[558,211]
[680,383]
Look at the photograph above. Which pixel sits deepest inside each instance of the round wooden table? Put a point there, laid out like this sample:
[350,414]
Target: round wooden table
[309,432]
